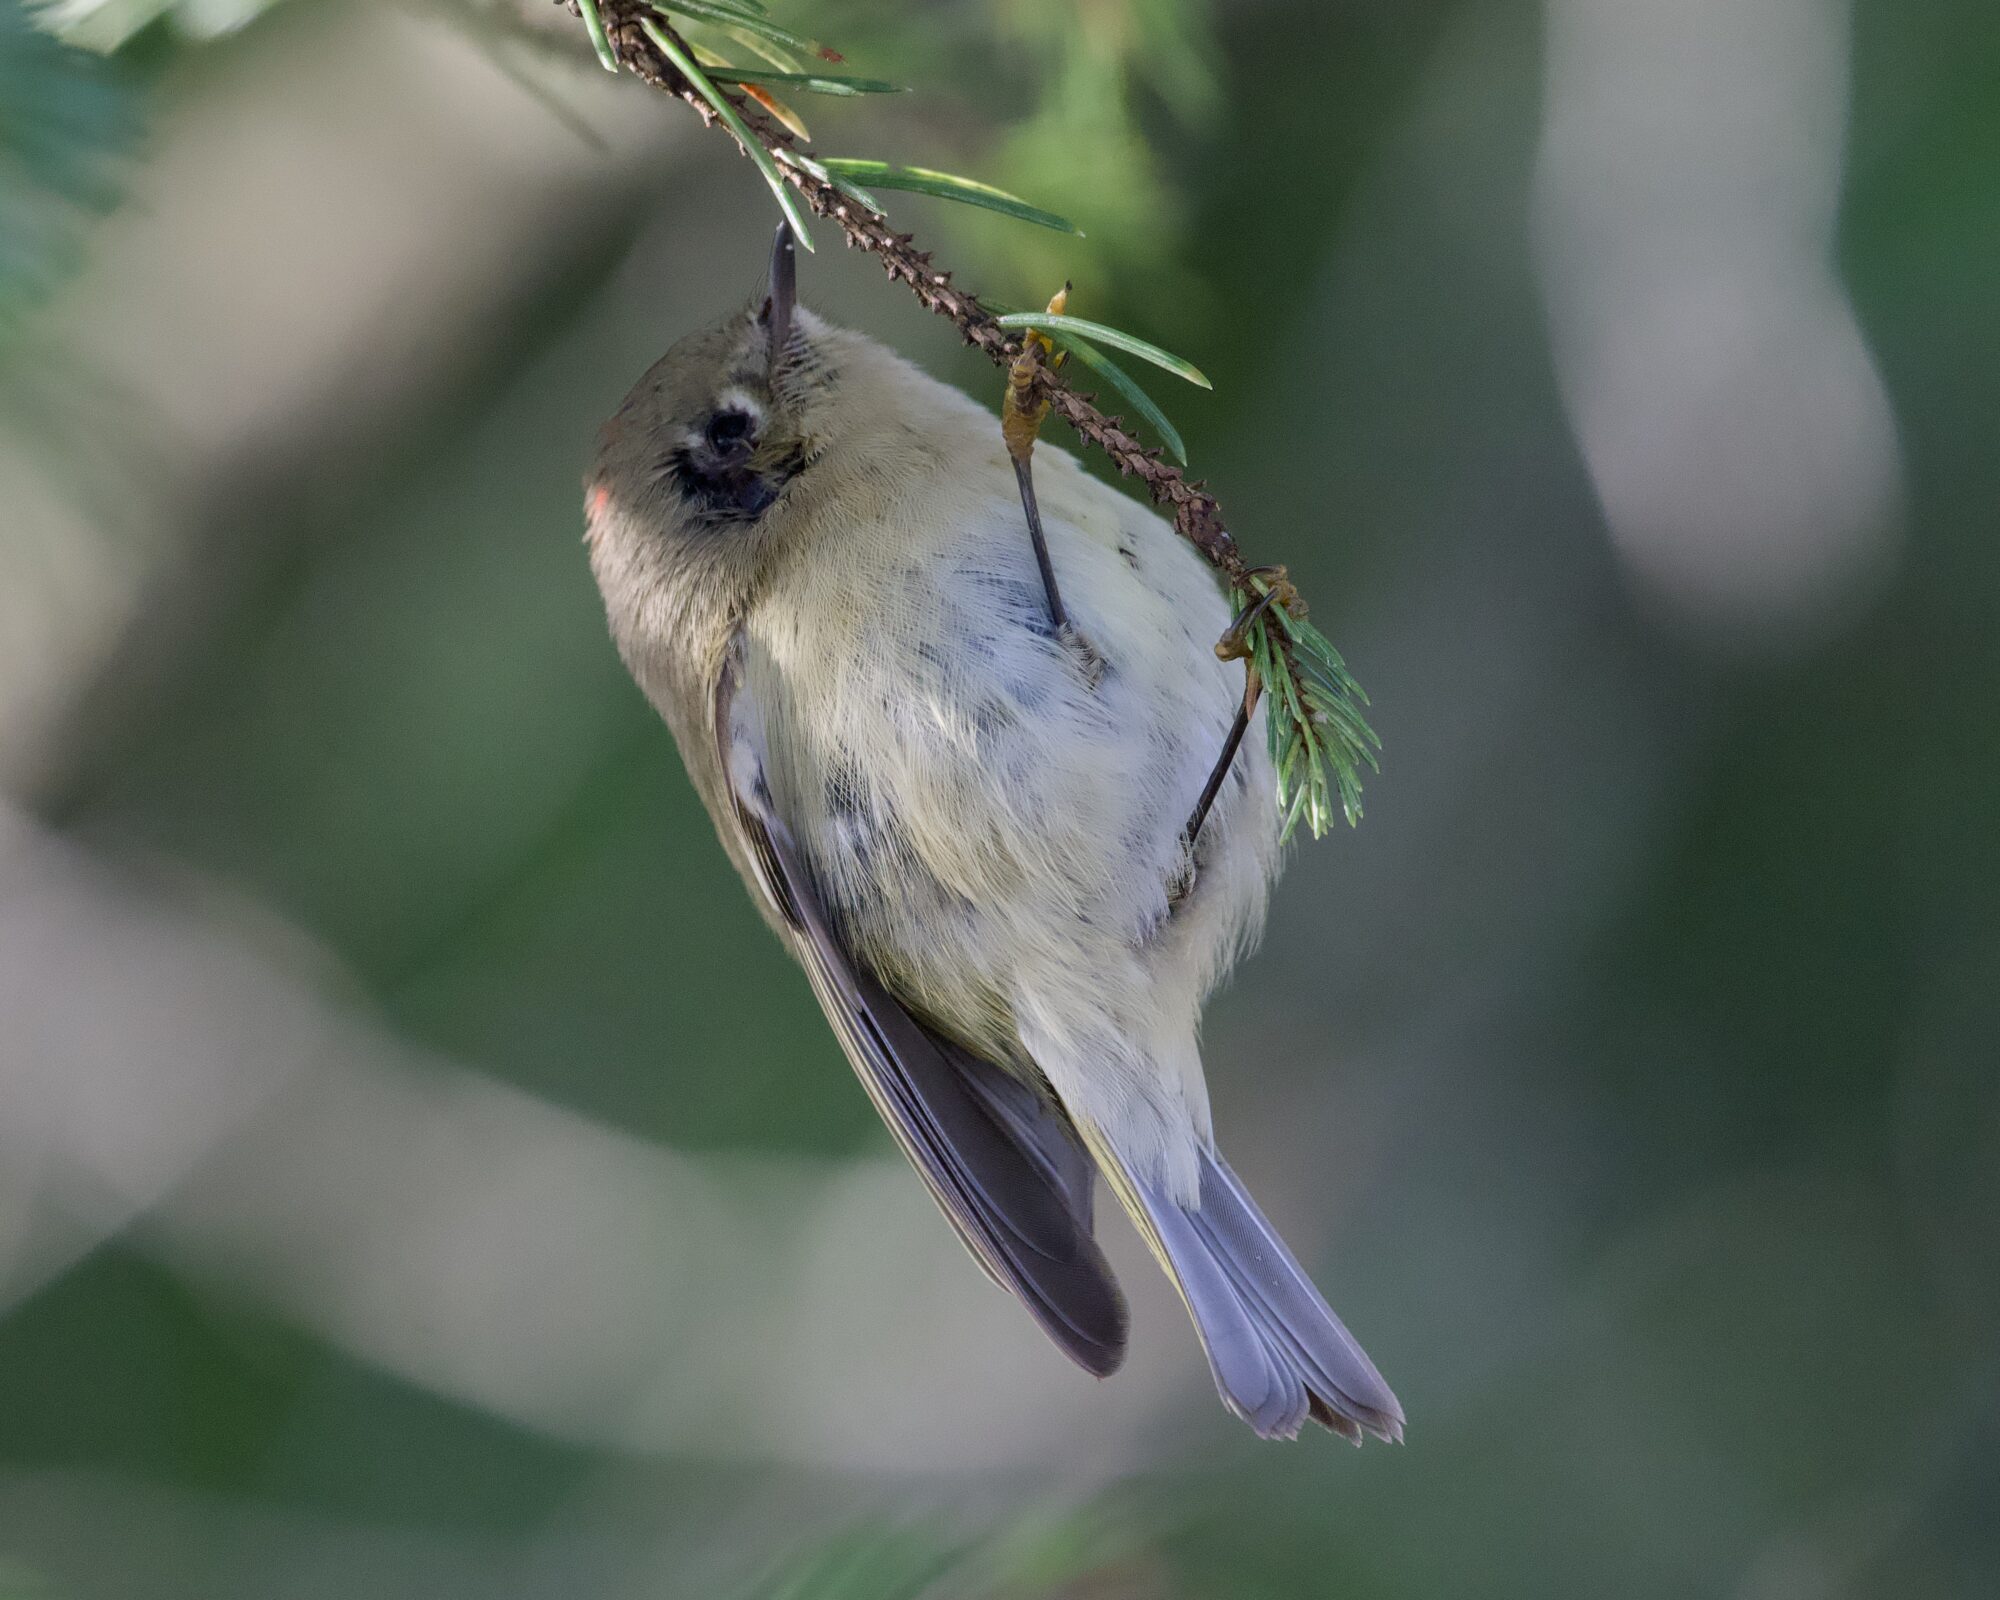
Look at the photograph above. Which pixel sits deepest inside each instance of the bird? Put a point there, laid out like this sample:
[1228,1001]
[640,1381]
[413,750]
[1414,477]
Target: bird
[961,808]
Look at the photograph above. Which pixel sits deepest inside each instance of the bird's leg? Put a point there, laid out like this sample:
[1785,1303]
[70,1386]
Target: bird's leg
[1234,645]
[1253,689]
[1021,418]
[1024,475]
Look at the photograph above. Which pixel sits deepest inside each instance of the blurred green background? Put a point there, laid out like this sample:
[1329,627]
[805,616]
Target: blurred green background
[420,1173]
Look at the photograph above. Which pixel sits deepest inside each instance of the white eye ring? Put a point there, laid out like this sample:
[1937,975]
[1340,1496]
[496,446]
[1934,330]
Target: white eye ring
[736,399]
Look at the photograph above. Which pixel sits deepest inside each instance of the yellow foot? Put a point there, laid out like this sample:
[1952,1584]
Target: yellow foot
[1022,413]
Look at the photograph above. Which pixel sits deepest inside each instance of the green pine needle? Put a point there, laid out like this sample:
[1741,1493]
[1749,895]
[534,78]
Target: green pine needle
[946,186]
[853,191]
[1050,323]
[764,49]
[1098,362]
[1319,738]
[738,17]
[1126,385]
[600,41]
[685,64]
[809,82]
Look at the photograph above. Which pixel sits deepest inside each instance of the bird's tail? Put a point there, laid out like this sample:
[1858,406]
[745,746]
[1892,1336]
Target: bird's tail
[1278,1353]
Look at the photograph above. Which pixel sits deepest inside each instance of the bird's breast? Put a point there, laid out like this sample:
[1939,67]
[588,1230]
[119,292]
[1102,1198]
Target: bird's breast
[963,778]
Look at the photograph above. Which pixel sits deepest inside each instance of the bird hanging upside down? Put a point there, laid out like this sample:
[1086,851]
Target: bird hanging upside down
[961,803]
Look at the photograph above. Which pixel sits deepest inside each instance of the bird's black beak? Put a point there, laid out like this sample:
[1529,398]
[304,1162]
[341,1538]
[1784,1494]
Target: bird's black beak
[783,292]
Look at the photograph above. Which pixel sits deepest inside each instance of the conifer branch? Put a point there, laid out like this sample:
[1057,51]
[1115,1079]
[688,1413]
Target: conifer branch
[1319,736]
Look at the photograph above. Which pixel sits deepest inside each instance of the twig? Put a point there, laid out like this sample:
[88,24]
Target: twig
[1194,510]
[1317,730]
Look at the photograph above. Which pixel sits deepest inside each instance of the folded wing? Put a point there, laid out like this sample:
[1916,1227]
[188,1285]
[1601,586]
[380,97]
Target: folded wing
[1002,1164]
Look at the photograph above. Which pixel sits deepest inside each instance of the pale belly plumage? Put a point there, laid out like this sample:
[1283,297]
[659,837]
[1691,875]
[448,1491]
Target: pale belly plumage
[995,813]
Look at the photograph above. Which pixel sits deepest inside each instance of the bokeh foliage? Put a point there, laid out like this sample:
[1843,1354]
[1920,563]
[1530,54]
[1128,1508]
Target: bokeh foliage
[67,122]
[1630,1070]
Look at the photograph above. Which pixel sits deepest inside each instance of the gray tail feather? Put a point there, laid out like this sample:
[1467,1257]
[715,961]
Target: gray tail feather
[1278,1353]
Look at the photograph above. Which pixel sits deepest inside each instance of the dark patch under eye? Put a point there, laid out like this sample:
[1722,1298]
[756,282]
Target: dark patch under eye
[725,483]
[729,430]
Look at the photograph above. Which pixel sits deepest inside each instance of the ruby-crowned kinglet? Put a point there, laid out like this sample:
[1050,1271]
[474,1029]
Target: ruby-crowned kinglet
[966,822]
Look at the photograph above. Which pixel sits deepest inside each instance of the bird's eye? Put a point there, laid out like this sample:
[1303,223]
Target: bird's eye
[729,430]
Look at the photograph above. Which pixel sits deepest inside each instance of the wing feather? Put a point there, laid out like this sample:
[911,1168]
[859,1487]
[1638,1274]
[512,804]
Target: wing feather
[1004,1167]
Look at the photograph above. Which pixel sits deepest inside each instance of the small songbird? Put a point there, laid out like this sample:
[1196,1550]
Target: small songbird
[963,806]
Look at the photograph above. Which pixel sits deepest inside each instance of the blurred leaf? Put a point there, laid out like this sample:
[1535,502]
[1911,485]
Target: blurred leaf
[1038,1555]
[900,1561]
[66,120]
[1101,94]
[946,186]
[106,24]
[20,1583]
[685,63]
[1118,339]
[810,82]
[523,54]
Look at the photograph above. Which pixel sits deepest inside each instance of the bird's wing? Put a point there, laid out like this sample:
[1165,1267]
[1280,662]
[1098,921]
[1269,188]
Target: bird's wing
[1003,1167]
